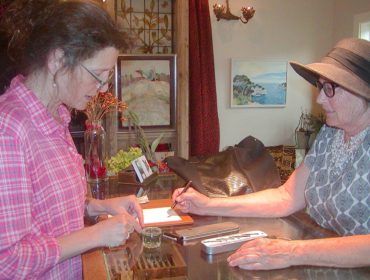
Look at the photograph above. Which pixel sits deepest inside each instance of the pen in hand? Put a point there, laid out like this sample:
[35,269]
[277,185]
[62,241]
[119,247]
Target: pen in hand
[187,186]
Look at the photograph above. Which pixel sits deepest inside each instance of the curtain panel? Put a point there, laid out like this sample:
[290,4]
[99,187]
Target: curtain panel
[203,117]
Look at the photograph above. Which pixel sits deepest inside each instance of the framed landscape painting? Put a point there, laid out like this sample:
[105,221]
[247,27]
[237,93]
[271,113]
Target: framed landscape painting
[147,83]
[258,83]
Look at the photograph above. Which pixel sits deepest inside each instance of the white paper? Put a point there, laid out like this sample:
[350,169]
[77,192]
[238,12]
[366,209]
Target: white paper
[160,215]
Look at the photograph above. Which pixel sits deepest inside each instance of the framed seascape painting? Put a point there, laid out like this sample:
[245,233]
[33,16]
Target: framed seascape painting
[147,83]
[258,83]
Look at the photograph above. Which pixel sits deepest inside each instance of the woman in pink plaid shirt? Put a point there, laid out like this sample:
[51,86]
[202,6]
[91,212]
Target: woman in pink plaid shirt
[63,51]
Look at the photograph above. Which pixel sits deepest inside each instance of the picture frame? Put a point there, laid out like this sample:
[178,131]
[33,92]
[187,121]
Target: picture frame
[258,83]
[141,168]
[147,84]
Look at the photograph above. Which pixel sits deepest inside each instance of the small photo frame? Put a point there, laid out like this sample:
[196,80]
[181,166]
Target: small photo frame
[142,168]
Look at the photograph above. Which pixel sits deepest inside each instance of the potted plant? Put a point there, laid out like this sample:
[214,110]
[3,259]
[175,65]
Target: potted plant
[148,149]
[308,127]
[122,160]
[120,163]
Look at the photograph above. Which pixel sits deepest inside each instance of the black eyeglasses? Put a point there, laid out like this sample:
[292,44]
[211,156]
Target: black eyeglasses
[329,88]
[100,81]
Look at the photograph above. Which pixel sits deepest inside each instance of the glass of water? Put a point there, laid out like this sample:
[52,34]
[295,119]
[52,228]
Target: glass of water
[152,237]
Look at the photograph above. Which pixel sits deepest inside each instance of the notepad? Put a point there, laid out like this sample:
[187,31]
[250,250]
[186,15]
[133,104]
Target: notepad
[160,215]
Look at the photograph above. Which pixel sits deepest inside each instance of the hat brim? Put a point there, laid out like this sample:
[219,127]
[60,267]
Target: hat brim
[347,80]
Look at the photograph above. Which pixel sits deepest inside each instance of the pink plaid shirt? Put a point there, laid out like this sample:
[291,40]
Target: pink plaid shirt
[42,188]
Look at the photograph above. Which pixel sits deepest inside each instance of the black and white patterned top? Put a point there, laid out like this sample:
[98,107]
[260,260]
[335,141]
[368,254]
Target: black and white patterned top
[339,201]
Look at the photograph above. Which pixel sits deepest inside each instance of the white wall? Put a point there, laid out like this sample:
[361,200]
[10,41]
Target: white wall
[301,30]
[344,13]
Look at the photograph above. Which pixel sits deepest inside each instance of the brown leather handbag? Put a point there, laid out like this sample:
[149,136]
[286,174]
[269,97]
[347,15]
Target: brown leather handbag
[247,167]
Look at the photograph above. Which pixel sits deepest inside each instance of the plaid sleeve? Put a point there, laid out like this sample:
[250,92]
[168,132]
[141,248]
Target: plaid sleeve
[24,251]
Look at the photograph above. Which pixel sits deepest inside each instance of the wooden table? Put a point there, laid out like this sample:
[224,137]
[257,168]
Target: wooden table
[186,261]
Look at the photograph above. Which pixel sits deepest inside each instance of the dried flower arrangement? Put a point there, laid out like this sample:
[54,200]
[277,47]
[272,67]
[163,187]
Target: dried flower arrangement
[101,104]
[94,136]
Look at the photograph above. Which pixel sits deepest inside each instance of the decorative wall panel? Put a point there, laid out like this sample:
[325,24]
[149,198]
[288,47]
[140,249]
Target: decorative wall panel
[150,22]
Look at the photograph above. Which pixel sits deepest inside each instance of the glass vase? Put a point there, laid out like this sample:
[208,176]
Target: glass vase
[94,138]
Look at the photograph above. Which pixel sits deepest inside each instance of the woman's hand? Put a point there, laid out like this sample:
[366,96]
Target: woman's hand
[191,201]
[125,204]
[263,254]
[116,230]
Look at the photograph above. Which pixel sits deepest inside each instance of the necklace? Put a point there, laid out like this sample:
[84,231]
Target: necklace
[344,152]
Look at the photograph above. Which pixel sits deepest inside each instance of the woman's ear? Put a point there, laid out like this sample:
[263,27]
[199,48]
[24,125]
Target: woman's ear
[55,61]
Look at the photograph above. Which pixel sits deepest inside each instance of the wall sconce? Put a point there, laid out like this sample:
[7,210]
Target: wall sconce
[219,10]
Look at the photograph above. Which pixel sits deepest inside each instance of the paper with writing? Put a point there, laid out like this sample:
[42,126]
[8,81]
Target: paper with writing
[160,215]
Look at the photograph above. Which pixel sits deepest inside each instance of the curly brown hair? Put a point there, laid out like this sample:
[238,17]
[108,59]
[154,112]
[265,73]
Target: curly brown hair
[79,28]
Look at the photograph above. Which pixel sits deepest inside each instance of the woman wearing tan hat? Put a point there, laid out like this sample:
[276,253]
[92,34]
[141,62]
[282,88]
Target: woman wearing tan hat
[332,182]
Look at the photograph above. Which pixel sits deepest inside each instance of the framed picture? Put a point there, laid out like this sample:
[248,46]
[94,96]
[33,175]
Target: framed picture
[142,168]
[147,83]
[258,83]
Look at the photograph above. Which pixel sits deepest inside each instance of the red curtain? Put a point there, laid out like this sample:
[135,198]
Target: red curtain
[203,117]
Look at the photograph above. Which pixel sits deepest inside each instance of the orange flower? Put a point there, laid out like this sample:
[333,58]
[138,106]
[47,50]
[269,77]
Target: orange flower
[101,104]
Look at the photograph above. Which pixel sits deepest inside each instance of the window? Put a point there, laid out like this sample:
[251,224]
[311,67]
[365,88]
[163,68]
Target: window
[149,21]
[364,30]
[361,26]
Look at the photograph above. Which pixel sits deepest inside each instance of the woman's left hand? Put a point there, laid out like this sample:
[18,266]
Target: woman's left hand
[263,254]
[129,204]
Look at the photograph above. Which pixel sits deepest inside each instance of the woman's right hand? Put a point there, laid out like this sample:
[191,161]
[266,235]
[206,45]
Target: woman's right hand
[116,230]
[191,201]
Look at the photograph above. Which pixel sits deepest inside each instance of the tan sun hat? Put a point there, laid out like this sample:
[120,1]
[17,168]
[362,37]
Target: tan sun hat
[347,64]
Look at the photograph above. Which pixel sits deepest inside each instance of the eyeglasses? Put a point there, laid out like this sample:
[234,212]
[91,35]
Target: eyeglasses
[100,81]
[329,88]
